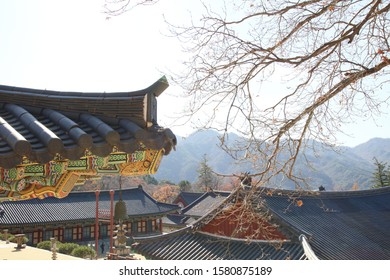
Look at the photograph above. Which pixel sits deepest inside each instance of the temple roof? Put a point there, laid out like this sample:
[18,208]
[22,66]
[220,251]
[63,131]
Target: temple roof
[176,220]
[50,140]
[198,205]
[351,225]
[204,203]
[187,197]
[39,125]
[187,245]
[338,225]
[79,206]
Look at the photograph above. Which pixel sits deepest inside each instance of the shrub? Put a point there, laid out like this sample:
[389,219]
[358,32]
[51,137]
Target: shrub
[13,239]
[83,252]
[67,248]
[46,245]
[9,235]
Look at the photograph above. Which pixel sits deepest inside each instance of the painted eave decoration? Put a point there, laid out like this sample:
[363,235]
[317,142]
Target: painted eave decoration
[52,140]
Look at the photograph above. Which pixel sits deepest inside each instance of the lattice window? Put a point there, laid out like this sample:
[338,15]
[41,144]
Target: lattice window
[141,227]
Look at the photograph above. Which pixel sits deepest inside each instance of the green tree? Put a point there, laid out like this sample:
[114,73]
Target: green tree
[207,180]
[185,186]
[150,180]
[165,182]
[381,175]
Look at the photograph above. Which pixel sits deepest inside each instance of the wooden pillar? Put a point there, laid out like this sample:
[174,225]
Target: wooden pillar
[97,224]
[160,225]
[111,219]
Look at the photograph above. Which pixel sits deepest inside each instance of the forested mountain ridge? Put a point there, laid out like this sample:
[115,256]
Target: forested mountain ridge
[337,169]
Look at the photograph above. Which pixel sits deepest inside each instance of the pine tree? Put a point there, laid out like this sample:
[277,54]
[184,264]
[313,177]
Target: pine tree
[381,176]
[207,180]
[150,180]
[185,186]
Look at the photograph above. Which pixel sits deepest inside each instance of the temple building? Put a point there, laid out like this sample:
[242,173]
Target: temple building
[72,218]
[193,206]
[186,198]
[51,140]
[271,224]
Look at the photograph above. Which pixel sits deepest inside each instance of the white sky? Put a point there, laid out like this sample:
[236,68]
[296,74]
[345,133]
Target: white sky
[71,45]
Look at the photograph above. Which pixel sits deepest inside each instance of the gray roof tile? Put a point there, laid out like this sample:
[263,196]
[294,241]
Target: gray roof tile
[187,245]
[205,203]
[340,225]
[187,197]
[42,124]
[352,225]
[80,206]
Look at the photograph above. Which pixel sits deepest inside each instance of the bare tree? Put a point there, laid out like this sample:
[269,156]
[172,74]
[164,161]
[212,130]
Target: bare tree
[118,7]
[327,61]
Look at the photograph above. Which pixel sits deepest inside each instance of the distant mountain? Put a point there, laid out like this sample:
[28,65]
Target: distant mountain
[333,170]
[183,163]
[337,170]
[376,147]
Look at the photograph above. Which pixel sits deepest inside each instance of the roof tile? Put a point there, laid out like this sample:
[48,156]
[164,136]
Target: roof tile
[80,206]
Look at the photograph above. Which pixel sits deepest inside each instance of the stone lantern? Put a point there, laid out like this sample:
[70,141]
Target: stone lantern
[120,239]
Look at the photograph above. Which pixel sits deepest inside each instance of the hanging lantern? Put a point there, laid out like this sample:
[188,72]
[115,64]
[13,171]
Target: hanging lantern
[120,212]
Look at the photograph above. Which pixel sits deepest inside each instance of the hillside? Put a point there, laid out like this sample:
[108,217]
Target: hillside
[334,170]
[376,147]
[184,162]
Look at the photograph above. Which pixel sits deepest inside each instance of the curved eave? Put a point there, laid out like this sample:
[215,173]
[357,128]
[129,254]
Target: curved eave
[39,126]
[20,93]
[138,106]
[186,245]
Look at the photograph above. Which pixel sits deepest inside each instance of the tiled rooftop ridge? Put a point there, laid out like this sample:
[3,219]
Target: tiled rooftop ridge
[50,129]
